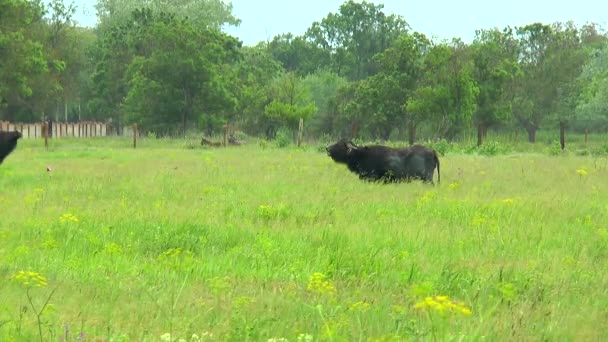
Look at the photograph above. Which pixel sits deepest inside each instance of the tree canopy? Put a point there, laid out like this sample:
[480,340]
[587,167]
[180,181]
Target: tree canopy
[170,67]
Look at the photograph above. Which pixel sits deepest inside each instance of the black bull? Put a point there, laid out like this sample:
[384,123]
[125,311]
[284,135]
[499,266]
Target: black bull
[8,142]
[383,163]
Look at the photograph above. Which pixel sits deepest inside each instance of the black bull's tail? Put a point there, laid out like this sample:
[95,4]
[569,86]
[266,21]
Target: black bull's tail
[437,161]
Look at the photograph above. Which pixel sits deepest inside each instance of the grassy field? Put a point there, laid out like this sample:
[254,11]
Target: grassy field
[261,244]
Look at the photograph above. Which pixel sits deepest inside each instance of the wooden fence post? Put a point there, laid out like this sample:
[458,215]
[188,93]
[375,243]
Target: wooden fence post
[300,128]
[45,133]
[226,135]
[134,135]
[562,136]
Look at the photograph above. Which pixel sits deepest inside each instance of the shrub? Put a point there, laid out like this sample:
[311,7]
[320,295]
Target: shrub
[601,151]
[441,146]
[283,138]
[492,148]
[555,148]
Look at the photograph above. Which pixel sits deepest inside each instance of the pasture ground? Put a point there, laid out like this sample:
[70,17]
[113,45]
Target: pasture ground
[252,243]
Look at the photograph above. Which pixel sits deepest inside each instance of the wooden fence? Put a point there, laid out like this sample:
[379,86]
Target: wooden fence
[57,129]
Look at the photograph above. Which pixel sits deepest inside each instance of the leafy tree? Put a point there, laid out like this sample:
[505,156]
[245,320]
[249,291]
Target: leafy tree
[289,102]
[494,54]
[177,74]
[448,92]
[323,87]
[567,58]
[551,58]
[581,107]
[592,107]
[354,35]
[255,73]
[111,55]
[298,54]
[400,72]
[213,14]
[22,58]
[347,118]
[66,48]
[377,103]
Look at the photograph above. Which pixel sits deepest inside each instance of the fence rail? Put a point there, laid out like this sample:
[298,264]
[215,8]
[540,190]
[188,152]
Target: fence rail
[58,129]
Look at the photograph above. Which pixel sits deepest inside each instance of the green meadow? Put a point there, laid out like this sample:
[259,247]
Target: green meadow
[173,241]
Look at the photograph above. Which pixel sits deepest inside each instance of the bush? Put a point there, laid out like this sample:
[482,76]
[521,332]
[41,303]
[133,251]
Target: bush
[441,146]
[283,138]
[241,136]
[191,144]
[492,148]
[555,148]
[601,151]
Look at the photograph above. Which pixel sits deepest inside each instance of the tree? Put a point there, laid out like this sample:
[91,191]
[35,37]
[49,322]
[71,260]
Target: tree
[534,99]
[592,106]
[567,58]
[550,58]
[400,72]
[298,54]
[377,103]
[22,57]
[447,94]
[495,66]
[289,102]
[67,46]
[176,76]
[323,87]
[212,14]
[255,73]
[354,35]
[112,55]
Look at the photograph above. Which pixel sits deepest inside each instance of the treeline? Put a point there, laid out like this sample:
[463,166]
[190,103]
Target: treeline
[169,67]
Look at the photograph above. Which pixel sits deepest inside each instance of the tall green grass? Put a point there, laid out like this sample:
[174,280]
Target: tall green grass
[257,243]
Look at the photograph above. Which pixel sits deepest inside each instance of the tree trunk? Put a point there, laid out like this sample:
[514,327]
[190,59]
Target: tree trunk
[411,132]
[531,134]
[271,133]
[586,134]
[65,110]
[386,133]
[354,129]
[562,135]
[185,112]
[480,130]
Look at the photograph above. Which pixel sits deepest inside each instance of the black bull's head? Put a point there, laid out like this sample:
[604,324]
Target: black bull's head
[340,151]
[8,142]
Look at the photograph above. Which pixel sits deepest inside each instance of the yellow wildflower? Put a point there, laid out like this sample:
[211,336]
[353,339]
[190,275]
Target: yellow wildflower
[581,172]
[508,201]
[478,220]
[29,279]
[454,185]
[442,304]
[428,196]
[113,249]
[360,306]
[67,217]
[319,284]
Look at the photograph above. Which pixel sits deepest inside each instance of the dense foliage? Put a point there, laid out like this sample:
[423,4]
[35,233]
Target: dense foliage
[169,67]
